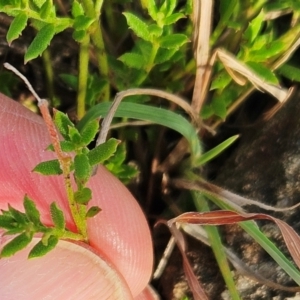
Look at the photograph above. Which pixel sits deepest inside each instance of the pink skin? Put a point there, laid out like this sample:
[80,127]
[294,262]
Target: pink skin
[118,262]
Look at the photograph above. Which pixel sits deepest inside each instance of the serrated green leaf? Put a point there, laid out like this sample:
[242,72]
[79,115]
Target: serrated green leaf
[47,10]
[164,55]
[143,47]
[155,30]
[16,4]
[7,222]
[93,211]
[226,9]
[206,112]
[66,146]
[123,172]
[120,155]
[269,50]
[40,42]
[152,9]
[15,245]
[254,27]
[31,211]
[261,41]
[74,136]
[139,27]
[6,212]
[16,27]
[95,87]
[40,249]
[82,22]
[173,18]
[38,3]
[220,80]
[76,9]
[50,167]
[133,60]
[82,167]
[16,230]
[228,95]
[63,123]
[83,196]
[168,7]
[57,216]
[102,152]
[290,71]
[79,35]
[70,80]
[264,72]
[219,107]
[175,40]
[19,216]
[89,132]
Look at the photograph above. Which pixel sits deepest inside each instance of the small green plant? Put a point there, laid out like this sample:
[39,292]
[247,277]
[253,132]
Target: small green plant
[74,159]
[246,50]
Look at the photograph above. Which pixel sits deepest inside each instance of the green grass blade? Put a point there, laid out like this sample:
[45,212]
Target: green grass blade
[253,230]
[217,247]
[156,115]
[207,156]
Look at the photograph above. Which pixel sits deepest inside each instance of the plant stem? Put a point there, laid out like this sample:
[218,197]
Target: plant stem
[65,163]
[83,75]
[49,75]
[98,6]
[75,209]
[72,236]
[97,39]
[102,60]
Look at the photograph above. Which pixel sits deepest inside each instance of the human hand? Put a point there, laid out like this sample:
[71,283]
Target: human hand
[118,262]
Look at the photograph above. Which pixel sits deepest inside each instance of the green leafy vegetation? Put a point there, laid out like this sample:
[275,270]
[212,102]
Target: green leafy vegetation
[164,48]
[27,224]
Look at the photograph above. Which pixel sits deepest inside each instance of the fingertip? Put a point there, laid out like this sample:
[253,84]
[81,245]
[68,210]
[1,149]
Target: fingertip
[70,271]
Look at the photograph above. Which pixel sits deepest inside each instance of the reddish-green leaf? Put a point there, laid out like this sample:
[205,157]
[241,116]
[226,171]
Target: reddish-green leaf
[222,217]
